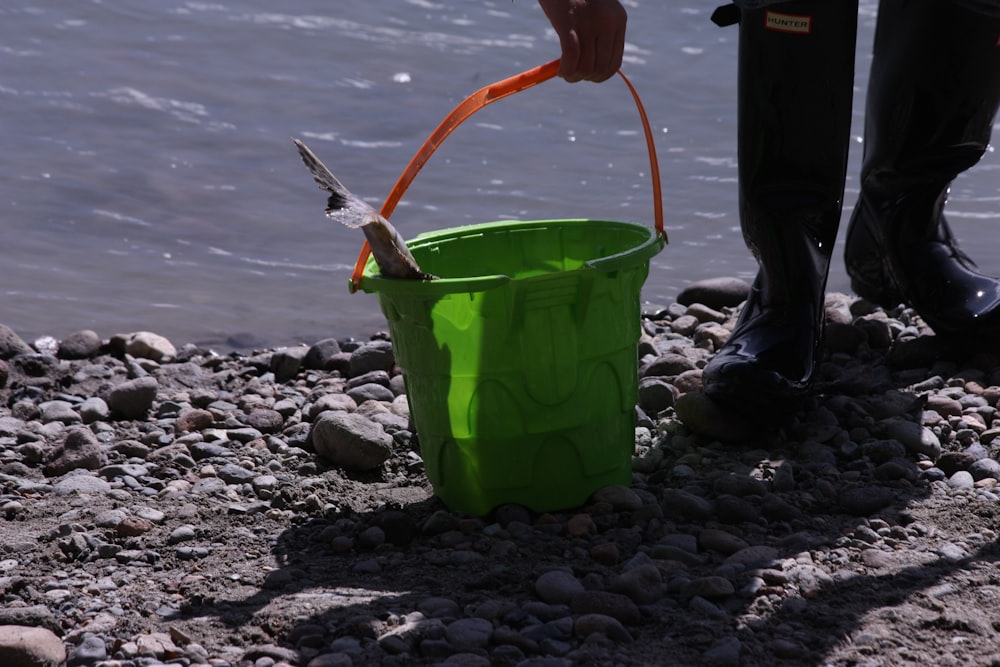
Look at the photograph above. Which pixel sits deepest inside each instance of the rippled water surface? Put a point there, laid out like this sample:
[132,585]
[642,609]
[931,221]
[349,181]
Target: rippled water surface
[151,182]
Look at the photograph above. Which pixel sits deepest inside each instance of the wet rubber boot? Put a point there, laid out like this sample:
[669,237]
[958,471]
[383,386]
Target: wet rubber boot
[932,97]
[796,75]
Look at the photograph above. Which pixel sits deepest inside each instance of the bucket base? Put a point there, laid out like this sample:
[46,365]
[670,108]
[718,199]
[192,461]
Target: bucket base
[544,472]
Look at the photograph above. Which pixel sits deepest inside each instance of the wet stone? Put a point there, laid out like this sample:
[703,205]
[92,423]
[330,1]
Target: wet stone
[715,293]
[80,345]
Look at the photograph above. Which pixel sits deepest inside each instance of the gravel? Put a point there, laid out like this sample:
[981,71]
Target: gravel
[165,504]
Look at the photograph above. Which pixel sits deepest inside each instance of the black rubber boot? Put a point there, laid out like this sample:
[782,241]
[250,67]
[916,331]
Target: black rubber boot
[932,97]
[796,74]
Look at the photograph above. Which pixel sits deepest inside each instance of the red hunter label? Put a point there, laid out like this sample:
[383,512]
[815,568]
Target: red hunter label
[801,25]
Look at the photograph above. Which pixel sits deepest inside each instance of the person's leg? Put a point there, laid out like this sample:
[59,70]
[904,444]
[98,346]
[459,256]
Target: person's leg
[932,97]
[796,75]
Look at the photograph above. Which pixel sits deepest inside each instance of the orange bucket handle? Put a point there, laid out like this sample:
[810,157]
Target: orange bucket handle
[472,104]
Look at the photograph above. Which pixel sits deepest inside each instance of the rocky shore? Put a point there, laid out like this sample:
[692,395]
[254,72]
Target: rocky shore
[165,505]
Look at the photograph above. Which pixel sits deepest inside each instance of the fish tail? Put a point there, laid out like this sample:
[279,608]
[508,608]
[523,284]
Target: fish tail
[342,205]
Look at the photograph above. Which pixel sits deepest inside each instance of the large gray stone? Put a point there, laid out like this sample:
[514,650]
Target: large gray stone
[11,344]
[321,353]
[133,399]
[80,450]
[350,440]
[146,345]
[80,345]
[22,646]
[376,355]
[715,292]
[286,362]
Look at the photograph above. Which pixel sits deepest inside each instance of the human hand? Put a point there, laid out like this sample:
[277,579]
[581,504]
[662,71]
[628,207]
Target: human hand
[591,36]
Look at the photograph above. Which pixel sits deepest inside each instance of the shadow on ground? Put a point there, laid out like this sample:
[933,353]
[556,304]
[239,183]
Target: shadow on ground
[855,557]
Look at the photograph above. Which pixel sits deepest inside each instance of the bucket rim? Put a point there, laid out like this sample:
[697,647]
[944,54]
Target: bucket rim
[374,282]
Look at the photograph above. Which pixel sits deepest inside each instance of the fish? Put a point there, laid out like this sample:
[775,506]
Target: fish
[394,259]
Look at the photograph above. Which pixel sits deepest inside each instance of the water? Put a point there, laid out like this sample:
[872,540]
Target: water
[151,182]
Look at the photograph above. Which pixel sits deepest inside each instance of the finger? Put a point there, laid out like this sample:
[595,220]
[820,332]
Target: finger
[569,62]
[587,63]
[609,57]
[605,63]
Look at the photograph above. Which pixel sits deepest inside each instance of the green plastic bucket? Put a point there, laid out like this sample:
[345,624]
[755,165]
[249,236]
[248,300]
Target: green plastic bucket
[520,360]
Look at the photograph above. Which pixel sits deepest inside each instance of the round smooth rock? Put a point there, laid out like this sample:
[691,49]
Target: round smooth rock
[351,441]
[558,587]
[148,345]
[79,345]
[372,356]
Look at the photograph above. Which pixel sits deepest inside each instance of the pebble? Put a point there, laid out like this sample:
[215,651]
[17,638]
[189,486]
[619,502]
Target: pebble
[558,587]
[685,505]
[370,392]
[80,345]
[374,355]
[467,634]
[286,362]
[134,398]
[80,450]
[80,482]
[588,624]
[88,652]
[94,409]
[721,541]
[642,583]
[615,605]
[182,534]
[146,345]
[320,354]
[961,479]
[715,293]
[12,345]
